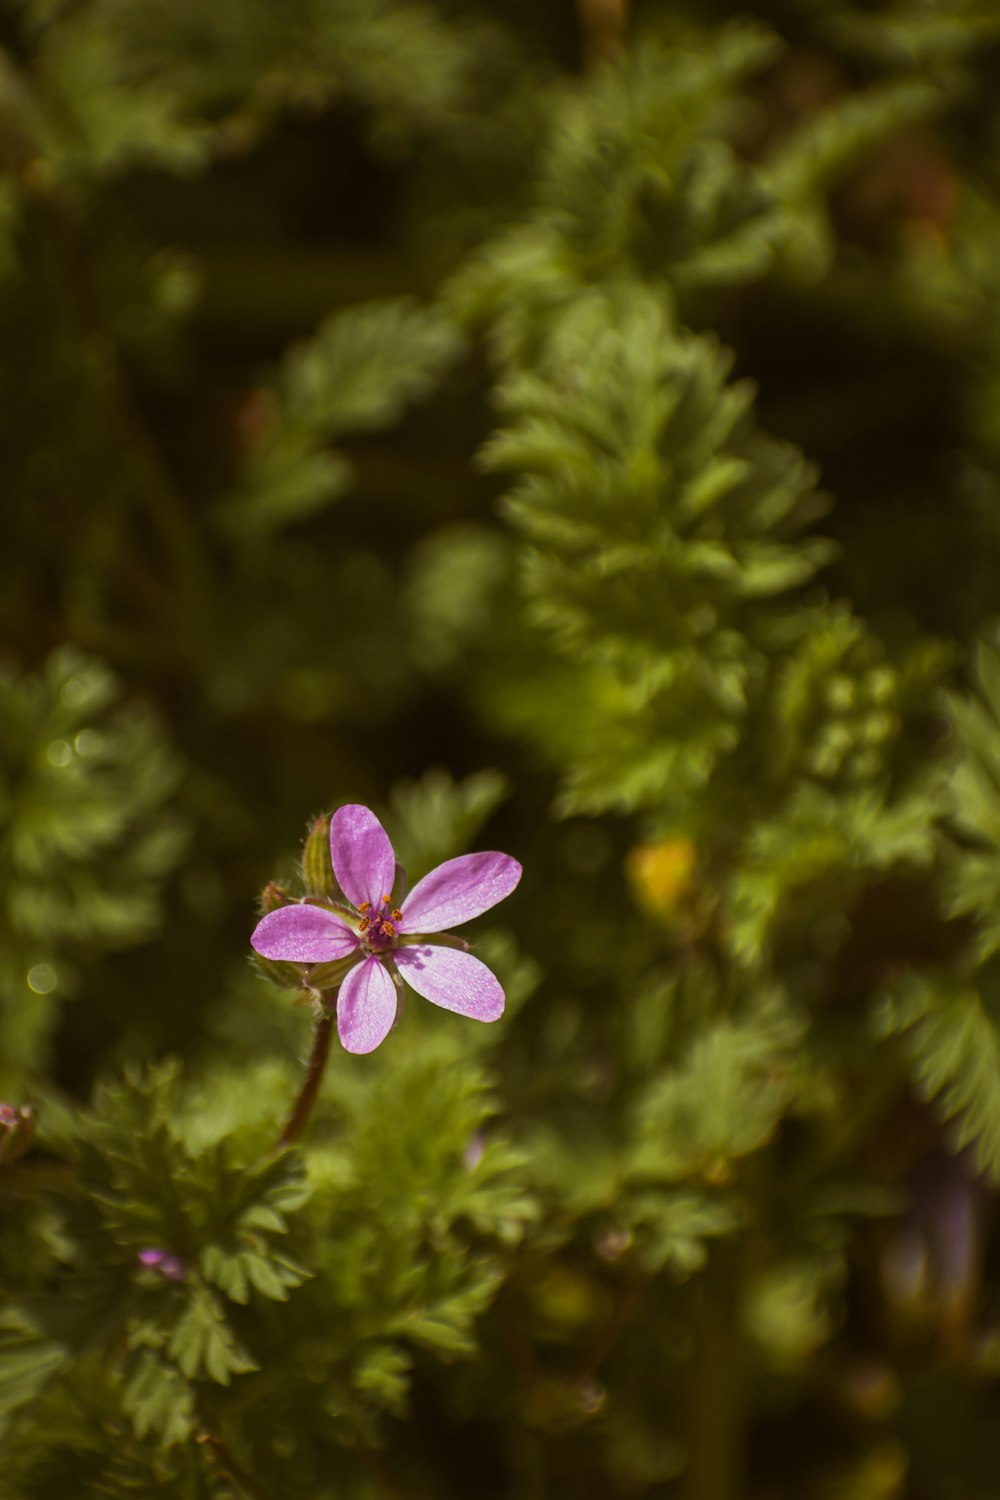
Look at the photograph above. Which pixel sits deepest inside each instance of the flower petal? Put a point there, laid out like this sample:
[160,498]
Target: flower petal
[303,934]
[363,861]
[452,979]
[366,1007]
[459,890]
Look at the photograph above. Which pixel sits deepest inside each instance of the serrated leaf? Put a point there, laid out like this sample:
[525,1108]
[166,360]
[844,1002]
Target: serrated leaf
[672,1229]
[265,1276]
[28,1359]
[951,1036]
[226,1271]
[203,1343]
[723,1100]
[358,373]
[158,1400]
[973,798]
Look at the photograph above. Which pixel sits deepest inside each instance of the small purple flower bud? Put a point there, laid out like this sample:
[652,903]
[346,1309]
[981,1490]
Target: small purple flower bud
[169,1266]
[474,1152]
[17,1126]
[612,1241]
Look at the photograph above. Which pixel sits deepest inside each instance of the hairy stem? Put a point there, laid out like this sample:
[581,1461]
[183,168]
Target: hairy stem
[302,1108]
[603,24]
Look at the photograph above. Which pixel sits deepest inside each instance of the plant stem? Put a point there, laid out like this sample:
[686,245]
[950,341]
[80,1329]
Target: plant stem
[603,24]
[296,1122]
[519,1347]
[222,1457]
[717,1413]
[594,1357]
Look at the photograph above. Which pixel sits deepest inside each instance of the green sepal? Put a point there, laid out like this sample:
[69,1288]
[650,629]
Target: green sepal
[322,977]
[317,868]
[272,897]
[287,976]
[439,939]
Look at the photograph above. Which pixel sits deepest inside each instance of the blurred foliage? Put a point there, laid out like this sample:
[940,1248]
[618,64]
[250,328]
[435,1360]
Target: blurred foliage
[570,429]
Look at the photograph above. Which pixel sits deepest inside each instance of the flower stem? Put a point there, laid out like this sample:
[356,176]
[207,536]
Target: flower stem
[717,1415]
[224,1460]
[302,1108]
[603,24]
[625,1305]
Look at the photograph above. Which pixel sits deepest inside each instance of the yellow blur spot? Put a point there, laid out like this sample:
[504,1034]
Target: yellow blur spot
[662,876]
[567,1298]
[881,1476]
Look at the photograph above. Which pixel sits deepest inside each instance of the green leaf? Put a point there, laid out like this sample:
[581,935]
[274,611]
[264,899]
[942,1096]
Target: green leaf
[973,799]
[365,365]
[158,1400]
[725,1097]
[672,1230]
[818,849]
[28,1360]
[660,584]
[445,1327]
[203,1343]
[951,1035]
[89,832]
[358,373]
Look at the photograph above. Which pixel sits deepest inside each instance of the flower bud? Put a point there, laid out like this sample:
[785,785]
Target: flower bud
[167,1265]
[317,868]
[17,1126]
[271,897]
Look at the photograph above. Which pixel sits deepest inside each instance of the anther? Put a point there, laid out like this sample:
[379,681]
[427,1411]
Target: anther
[365,924]
[365,906]
[388,929]
[397,915]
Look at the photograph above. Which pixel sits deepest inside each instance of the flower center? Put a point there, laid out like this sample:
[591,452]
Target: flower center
[378,924]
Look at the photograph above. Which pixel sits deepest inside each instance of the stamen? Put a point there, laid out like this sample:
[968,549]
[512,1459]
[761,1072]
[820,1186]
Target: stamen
[397,915]
[365,923]
[386,899]
[388,929]
[365,906]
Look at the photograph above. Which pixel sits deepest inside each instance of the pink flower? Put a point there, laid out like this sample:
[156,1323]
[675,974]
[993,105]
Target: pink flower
[379,937]
[169,1266]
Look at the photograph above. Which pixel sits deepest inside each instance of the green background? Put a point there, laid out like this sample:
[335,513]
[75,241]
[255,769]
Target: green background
[573,430]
